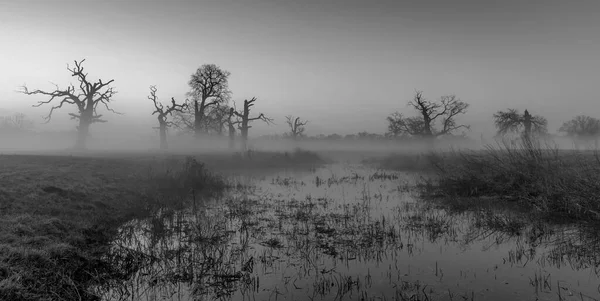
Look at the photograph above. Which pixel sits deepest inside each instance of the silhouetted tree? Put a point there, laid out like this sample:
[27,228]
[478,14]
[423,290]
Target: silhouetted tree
[429,112]
[245,119]
[296,125]
[582,129]
[86,98]
[525,124]
[210,87]
[163,114]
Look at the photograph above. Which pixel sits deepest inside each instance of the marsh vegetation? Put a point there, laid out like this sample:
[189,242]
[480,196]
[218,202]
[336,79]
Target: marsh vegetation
[326,231]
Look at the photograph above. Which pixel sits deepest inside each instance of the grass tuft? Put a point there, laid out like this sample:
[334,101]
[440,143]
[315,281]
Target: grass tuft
[562,184]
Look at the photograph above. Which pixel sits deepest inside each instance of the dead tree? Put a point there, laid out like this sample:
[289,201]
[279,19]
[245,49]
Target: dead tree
[245,119]
[210,87]
[429,112]
[296,126]
[527,124]
[163,114]
[86,98]
[582,128]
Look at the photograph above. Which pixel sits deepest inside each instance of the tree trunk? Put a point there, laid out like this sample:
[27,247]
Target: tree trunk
[82,133]
[197,124]
[163,136]
[231,137]
[527,126]
[244,139]
[244,134]
[198,116]
[429,141]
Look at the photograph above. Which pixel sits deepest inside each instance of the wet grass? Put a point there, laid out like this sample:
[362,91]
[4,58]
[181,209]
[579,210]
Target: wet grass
[60,214]
[347,234]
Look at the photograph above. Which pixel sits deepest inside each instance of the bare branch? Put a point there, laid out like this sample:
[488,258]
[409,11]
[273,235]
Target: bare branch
[513,121]
[163,112]
[296,125]
[83,99]
[447,108]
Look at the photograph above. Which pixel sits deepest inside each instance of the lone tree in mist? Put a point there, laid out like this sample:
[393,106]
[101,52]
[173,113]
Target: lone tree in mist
[297,126]
[515,122]
[87,98]
[163,113]
[582,129]
[209,87]
[424,125]
[245,119]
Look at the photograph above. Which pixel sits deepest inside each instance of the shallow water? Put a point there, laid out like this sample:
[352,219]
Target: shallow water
[348,232]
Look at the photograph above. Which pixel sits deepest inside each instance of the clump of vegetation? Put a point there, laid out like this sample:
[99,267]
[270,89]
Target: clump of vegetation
[56,230]
[541,177]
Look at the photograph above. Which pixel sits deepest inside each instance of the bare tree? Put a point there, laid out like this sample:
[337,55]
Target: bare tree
[86,98]
[297,126]
[163,114]
[210,87]
[526,124]
[399,125]
[582,129]
[245,119]
[429,112]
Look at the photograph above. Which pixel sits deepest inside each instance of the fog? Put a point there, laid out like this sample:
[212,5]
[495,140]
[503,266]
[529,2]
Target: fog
[147,143]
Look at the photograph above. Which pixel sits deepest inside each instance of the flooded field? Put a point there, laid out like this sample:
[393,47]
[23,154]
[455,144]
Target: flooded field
[349,232]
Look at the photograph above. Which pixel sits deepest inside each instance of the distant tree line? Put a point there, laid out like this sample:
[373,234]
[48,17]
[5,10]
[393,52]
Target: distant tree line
[210,110]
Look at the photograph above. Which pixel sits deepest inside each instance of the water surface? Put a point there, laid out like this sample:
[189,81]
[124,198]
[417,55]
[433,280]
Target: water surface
[349,232]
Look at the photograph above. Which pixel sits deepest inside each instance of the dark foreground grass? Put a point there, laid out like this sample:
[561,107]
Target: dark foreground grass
[58,215]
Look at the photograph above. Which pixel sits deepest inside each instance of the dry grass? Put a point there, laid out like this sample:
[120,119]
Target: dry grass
[557,183]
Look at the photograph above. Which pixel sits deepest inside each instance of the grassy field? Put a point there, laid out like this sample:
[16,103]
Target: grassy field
[558,184]
[59,213]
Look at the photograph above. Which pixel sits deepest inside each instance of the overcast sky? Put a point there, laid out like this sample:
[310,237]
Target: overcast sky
[344,65]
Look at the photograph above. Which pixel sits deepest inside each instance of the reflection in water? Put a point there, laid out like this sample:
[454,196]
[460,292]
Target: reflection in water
[348,232]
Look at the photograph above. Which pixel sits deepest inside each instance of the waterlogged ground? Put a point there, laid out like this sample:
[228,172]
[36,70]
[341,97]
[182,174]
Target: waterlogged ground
[349,232]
